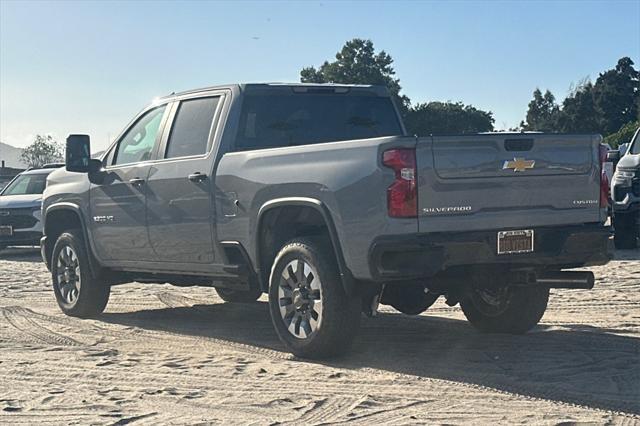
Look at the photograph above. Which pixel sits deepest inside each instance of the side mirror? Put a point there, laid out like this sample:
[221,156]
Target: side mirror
[78,155]
[613,156]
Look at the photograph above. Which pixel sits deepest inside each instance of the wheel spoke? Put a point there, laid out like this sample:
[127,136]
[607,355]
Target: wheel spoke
[300,271]
[300,298]
[291,275]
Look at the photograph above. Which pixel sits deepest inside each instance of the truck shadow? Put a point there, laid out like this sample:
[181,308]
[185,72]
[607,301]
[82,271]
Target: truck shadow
[594,368]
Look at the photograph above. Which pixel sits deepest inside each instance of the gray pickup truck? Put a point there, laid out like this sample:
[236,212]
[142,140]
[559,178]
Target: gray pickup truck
[316,195]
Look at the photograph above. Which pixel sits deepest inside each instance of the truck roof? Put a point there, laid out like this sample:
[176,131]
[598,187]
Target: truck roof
[296,87]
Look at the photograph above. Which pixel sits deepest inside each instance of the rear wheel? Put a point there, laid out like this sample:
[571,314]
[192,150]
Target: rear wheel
[513,310]
[238,296]
[626,230]
[78,291]
[312,314]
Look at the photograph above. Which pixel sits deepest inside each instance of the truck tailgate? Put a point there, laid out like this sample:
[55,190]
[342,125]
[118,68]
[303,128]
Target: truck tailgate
[507,181]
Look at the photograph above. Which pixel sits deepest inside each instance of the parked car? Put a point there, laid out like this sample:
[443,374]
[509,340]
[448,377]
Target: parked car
[20,205]
[315,195]
[626,196]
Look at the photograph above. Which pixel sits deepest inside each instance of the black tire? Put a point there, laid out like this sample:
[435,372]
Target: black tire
[513,310]
[85,297]
[238,296]
[626,231]
[338,319]
[410,299]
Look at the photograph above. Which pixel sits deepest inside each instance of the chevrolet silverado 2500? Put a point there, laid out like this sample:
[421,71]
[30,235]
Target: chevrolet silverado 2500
[316,195]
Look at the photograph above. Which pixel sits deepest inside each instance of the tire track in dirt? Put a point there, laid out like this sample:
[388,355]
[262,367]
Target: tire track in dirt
[357,385]
[328,410]
[22,320]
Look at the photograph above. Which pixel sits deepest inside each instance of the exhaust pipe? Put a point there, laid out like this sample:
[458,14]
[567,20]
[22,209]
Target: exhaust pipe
[567,279]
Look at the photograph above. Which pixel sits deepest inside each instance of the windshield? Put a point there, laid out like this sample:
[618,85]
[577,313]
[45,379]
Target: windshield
[286,120]
[635,145]
[26,184]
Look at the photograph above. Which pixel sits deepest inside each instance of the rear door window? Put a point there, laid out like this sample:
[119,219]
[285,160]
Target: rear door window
[269,121]
[192,128]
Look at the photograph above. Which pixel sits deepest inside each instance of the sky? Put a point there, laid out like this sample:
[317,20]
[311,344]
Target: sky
[90,66]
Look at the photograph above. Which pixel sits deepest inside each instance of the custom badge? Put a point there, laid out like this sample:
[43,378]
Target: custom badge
[519,164]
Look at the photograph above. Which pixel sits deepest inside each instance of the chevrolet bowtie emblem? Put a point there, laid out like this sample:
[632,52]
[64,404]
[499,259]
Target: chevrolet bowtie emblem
[519,164]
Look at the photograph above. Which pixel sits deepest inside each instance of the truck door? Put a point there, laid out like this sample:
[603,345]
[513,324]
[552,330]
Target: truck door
[117,202]
[180,208]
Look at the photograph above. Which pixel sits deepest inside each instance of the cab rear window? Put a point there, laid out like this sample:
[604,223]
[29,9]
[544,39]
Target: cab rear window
[270,121]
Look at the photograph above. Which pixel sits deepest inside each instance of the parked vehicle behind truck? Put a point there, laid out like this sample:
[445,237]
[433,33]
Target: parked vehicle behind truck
[626,195]
[21,206]
[315,195]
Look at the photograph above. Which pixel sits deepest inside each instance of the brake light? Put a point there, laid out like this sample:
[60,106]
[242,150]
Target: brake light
[402,194]
[604,179]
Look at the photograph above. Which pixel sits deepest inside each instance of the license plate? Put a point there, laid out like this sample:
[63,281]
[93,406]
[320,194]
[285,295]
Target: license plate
[6,231]
[510,242]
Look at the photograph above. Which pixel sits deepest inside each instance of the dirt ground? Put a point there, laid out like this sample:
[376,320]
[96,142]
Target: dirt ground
[163,354]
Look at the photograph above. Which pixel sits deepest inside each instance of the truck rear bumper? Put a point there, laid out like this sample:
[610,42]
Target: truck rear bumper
[425,255]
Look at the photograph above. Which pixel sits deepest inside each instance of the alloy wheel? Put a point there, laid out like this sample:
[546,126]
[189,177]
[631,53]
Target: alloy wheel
[300,298]
[68,273]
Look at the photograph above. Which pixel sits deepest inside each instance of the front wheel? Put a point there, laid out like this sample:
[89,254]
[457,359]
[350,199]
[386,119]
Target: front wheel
[78,291]
[313,315]
[513,310]
[626,231]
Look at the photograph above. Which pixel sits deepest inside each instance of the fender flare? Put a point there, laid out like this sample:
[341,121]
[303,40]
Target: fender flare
[347,278]
[63,205]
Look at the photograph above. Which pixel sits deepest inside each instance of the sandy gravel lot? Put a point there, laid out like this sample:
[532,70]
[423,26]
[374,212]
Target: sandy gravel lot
[174,355]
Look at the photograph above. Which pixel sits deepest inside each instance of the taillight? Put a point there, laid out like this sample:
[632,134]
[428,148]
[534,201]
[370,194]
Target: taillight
[402,195]
[604,180]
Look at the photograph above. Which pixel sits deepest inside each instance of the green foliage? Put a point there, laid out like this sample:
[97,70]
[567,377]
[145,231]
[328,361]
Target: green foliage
[542,114]
[43,150]
[623,135]
[439,118]
[616,95]
[579,113]
[603,107]
[358,63]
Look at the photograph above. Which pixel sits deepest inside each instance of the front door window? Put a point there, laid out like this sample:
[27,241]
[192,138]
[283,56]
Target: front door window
[137,144]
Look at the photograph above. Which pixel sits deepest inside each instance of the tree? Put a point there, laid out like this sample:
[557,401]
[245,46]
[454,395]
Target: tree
[579,113]
[623,135]
[43,150]
[542,114]
[439,118]
[358,63]
[616,95]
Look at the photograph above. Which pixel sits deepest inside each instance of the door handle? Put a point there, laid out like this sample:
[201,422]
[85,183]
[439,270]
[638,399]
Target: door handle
[197,177]
[136,181]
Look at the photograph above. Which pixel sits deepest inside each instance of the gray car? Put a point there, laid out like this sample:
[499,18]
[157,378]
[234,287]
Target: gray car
[315,195]
[20,208]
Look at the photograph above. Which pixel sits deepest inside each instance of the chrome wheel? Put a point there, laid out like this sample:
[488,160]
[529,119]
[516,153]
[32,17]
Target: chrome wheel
[68,274]
[300,298]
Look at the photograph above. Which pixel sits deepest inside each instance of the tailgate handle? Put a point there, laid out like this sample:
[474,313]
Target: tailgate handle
[518,144]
